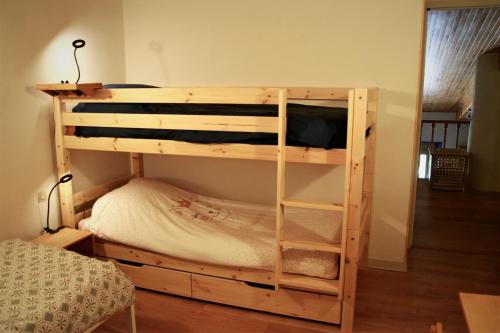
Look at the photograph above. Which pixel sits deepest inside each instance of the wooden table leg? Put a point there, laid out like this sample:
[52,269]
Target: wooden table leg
[131,319]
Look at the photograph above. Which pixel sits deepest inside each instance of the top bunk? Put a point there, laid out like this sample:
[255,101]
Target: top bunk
[241,123]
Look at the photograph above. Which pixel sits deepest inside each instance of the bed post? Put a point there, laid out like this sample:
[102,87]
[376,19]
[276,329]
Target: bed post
[137,164]
[355,201]
[280,183]
[63,167]
[369,174]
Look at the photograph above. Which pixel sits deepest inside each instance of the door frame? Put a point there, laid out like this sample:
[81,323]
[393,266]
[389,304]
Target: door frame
[429,4]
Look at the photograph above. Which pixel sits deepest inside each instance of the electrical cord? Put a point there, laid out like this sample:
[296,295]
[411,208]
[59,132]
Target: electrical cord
[78,43]
[77,66]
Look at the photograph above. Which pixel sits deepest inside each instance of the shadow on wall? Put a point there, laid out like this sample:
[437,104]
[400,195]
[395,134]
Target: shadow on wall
[395,122]
[157,49]
[37,36]
[30,159]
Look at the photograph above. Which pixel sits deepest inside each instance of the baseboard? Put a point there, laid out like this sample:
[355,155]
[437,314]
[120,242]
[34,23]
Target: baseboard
[388,265]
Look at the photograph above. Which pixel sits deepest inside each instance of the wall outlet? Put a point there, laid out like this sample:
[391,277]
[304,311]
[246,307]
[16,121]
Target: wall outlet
[41,197]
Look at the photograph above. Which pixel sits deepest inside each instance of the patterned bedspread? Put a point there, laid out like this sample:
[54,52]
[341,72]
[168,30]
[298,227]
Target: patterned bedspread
[46,289]
[154,215]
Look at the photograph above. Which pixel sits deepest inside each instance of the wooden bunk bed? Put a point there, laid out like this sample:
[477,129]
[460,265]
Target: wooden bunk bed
[324,300]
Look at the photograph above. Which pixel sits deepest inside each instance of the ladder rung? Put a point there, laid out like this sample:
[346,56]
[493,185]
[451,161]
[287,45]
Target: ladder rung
[313,205]
[313,246]
[309,283]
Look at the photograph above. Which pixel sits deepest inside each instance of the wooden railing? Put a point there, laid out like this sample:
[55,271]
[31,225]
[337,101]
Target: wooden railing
[446,123]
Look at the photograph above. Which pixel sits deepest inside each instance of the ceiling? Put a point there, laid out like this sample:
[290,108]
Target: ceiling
[455,39]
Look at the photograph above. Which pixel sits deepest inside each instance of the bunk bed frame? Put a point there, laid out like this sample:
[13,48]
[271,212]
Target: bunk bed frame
[324,300]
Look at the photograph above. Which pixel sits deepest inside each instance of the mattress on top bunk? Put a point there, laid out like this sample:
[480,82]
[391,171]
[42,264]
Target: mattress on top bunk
[159,217]
[307,126]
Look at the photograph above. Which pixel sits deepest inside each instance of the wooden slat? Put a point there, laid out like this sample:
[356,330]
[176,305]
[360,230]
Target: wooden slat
[231,150]
[137,164]
[364,238]
[347,190]
[311,246]
[119,251]
[183,95]
[309,283]
[82,215]
[365,212]
[358,149]
[65,89]
[63,166]
[368,177]
[243,95]
[159,279]
[285,301]
[351,277]
[364,230]
[336,94]
[280,184]
[313,205]
[95,192]
[356,177]
[174,122]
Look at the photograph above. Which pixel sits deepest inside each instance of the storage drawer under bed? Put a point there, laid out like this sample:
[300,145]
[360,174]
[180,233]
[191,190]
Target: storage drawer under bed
[296,303]
[157,278]
[284,301]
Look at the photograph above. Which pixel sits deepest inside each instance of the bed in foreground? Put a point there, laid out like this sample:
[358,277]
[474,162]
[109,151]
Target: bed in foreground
[47,289]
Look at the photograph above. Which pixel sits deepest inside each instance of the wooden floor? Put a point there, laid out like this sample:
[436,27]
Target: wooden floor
[457,248]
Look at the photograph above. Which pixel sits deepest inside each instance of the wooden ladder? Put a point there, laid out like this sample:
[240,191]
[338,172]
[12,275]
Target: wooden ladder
[295,281]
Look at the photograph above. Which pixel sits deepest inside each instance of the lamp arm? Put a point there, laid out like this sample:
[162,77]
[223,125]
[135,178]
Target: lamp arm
[48,205]
[77,66]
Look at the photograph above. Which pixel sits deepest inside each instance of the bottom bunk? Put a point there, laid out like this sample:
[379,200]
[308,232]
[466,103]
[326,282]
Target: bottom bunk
[314,292]
[179,242]
[242,287]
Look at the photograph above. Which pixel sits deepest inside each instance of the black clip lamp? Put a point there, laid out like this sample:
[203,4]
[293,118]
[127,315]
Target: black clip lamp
[63,179]
[77,44]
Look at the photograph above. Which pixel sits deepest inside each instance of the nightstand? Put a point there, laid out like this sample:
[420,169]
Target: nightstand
[79,241]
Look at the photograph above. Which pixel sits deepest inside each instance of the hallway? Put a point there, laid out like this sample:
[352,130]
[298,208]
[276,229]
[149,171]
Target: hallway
[465,222]
[456,248]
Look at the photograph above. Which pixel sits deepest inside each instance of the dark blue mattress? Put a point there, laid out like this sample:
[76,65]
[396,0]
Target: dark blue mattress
[307,126]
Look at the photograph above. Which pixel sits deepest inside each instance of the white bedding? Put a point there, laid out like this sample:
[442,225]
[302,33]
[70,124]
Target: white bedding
[156,216]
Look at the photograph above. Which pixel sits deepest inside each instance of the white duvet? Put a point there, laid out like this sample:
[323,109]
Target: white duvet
[156,216]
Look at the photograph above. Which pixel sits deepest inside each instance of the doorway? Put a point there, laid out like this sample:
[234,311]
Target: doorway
[456,39]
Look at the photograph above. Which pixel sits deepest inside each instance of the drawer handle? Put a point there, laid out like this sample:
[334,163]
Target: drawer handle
[129,263]
[259,285]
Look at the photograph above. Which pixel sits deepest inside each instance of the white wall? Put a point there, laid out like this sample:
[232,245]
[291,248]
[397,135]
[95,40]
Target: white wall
[35,39]
[484,148]
[341,43]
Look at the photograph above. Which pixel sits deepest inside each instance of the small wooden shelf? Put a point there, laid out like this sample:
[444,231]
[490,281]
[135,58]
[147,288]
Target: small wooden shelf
[69,89]
[80,241]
